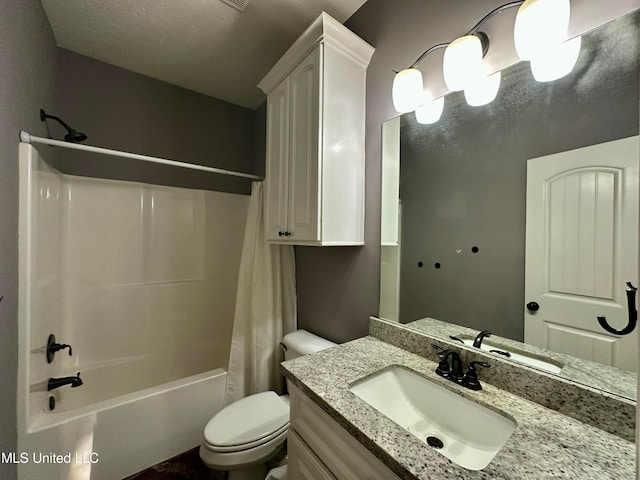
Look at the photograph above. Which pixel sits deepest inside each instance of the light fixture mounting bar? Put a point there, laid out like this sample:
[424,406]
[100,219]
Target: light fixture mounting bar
[473,31]
[492,13]
[427,52]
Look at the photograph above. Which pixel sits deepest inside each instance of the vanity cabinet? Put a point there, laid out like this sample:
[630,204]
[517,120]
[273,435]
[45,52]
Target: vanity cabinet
[314,185]
[319,448]
[302,463]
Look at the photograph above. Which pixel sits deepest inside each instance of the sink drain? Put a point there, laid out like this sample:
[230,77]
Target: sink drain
[435,442]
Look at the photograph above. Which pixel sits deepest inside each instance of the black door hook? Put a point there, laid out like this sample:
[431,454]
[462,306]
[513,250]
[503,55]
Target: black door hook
[633,314]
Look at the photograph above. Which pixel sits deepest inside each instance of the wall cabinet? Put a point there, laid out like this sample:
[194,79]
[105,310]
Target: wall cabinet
[319,448]
[314,185]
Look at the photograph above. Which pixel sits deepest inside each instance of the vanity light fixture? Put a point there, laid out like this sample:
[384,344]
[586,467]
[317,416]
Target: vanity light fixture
[430,111]
[540,34]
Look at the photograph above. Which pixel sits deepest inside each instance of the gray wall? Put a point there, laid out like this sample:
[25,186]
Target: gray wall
[27,63]
[338,287]
[122,110]
[117,109]
[463,179]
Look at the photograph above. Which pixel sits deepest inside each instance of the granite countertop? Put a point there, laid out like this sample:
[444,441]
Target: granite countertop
[545,444]
[597,375]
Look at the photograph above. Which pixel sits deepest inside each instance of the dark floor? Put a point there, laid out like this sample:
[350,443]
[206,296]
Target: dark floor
[186,466]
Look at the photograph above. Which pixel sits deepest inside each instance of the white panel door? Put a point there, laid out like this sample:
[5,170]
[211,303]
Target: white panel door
[305,154]
[277,175]
[581,249]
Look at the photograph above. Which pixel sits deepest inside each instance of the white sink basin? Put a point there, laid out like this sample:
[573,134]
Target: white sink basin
[516,356]
[469,433]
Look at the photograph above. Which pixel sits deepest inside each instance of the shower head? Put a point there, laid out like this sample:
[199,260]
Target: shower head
[72,136]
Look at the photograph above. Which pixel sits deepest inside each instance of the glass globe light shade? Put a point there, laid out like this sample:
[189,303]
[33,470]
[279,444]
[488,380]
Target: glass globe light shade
[556,62]
[430,111]
[407,90]
[483,90]
[539,25]
[462,62]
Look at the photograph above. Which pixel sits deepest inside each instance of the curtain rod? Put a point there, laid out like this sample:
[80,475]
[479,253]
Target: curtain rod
[26,137]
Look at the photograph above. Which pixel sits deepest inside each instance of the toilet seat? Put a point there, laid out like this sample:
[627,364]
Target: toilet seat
[246,446]
[241,459]
[248,423]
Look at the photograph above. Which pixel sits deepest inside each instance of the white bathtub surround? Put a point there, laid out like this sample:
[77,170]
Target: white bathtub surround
[265,308]
[127,434]
[140,280]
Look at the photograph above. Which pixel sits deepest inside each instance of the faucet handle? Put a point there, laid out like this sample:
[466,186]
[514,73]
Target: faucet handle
[470,379]
[62,346]
[53,347]
[473,364]
[443,368]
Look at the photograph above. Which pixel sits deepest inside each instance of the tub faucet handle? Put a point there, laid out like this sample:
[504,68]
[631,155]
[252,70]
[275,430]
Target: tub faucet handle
[62,346]
[53,347]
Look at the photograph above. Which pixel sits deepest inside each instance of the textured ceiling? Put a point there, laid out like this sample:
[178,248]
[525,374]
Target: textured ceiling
[202,45]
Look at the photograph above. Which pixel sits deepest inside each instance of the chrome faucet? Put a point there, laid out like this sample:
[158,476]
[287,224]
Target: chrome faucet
[481,336]
[54,383]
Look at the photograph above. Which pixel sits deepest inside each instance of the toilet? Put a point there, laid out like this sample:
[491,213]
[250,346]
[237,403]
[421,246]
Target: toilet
[243,436]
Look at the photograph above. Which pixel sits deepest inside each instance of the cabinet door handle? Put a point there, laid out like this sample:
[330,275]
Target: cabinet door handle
[280,234]
[286,234]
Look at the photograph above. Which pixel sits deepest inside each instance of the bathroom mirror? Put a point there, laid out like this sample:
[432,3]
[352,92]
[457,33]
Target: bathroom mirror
[453,248]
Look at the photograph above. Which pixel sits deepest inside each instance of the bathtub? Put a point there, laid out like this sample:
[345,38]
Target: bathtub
[140,280]
[113,439]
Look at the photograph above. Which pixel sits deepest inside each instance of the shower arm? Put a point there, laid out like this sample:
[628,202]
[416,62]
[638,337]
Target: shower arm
[44,116]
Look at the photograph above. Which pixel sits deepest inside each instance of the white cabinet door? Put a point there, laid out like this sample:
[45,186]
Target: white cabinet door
[305,156]
[582,248]
[277,180]
[343,455]
[325,114]
[302,463]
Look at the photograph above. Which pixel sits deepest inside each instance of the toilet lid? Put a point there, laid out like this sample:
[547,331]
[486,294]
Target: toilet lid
[250,419]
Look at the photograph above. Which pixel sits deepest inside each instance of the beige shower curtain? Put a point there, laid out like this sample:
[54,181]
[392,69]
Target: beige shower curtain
[265,308]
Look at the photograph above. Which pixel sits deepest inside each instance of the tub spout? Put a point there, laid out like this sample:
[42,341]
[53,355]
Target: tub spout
[59,382]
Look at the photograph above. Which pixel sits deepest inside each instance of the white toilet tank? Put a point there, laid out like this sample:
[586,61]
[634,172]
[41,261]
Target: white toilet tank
[302,342]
